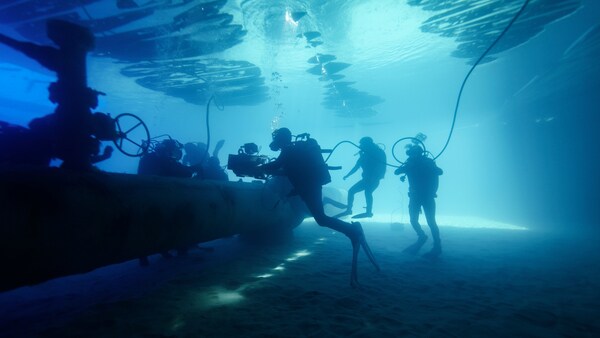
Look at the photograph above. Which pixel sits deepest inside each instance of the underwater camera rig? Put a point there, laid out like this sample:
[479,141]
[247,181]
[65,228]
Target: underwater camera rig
[246,162]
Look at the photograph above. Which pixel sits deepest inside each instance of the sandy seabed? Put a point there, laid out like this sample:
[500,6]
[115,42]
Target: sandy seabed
[489,282]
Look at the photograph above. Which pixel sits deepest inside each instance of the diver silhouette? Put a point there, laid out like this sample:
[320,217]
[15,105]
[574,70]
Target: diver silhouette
[306,170]
[71,127]
[196,153]
[372,160]
[423,180]
[163,160]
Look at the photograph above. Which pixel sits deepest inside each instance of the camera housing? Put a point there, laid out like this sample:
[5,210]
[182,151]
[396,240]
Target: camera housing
[246,162]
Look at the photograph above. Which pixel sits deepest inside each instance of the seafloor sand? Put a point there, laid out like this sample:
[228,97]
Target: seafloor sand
[488,282]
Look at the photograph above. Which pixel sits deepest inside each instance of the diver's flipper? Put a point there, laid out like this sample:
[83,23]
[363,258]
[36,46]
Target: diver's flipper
[434,253]
[363,215]
[359,237]
[414,248]
[368,252]
[354,274]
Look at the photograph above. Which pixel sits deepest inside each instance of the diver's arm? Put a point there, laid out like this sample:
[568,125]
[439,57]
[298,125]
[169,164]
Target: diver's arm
[272,166]
[434,168]
[179,170]
[356,166]
[401,170]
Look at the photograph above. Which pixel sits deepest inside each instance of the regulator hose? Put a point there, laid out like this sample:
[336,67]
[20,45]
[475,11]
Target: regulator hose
[471,71]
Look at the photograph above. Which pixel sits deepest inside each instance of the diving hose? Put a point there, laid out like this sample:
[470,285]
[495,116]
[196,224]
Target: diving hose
[462,87]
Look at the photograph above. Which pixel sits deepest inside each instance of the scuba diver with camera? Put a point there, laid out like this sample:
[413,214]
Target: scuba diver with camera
[302,163]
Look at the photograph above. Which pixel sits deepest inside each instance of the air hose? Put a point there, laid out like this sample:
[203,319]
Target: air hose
[462,87]
[208,125]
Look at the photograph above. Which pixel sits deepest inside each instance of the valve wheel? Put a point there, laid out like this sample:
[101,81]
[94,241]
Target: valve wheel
[129,129]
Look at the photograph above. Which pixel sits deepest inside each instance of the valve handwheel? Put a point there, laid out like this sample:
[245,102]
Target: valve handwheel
[130,129]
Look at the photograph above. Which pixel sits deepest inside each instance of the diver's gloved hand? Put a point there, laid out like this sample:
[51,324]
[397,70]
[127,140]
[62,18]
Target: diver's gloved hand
[397,171]
[260,171]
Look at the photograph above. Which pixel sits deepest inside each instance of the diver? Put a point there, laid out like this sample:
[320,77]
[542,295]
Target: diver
[302,163]
[372,160]
[211,169]
[71,125]
[163,160]
[423,180]
[194,153]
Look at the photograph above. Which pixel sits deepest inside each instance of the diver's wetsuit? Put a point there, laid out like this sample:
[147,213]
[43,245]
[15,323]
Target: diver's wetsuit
[196,154]
[161,165]
[213,171]
[372,160]
[423,179]
[304,166]
[308,173]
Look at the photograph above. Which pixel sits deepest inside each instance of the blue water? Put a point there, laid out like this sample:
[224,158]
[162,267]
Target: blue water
[521,155]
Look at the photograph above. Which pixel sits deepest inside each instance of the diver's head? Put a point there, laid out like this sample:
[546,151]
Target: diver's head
[281,138]
[365,142]
[194,148]
[69,35]
[414,151]
[170,148]
[190,147]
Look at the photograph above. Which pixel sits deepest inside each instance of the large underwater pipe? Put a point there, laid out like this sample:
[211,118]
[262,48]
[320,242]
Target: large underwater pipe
[56,223]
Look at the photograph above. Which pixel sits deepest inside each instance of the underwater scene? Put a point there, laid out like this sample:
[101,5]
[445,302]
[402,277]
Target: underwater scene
[299,168]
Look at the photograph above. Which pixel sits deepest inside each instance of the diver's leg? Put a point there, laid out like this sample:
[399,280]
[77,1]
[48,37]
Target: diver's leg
[313,197]
[429,209]
[414,208]
[356,188]
[369,188]
[348,205]
[353,231]
[329,200]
